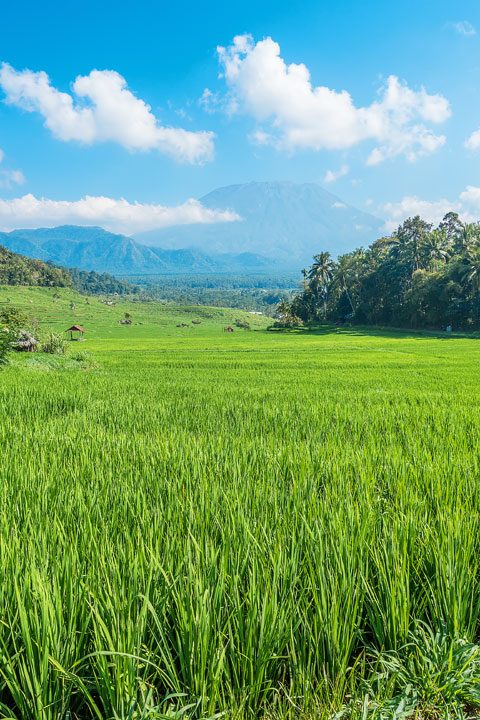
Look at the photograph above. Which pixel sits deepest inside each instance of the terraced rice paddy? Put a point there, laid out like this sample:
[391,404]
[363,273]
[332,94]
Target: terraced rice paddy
[208,523]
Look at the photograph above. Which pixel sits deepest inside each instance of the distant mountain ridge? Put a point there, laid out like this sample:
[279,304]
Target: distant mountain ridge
[93,248]
[288,221]
[282,226]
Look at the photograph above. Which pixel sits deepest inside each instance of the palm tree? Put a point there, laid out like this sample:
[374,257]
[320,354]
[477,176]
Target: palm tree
[283,308]
[471,273]
[348,270]
[435,247]
[320,276]
[469,238]
[305,274]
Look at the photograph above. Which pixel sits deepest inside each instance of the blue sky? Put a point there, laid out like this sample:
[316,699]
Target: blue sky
[389,151]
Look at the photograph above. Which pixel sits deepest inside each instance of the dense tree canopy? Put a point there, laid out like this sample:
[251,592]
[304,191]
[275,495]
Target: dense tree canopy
[420,277]
[19,270]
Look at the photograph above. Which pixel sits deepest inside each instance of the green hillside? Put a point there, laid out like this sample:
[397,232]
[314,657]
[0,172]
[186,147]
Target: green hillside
[56,309]
[18,269]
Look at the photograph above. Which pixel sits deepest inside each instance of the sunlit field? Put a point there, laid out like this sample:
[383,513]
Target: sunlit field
[198,522]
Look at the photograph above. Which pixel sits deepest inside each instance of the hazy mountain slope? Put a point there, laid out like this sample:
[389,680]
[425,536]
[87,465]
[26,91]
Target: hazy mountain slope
[92,248]
[284,220]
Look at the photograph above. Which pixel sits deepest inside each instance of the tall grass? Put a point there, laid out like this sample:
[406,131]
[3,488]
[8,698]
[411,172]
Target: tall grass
[187,533]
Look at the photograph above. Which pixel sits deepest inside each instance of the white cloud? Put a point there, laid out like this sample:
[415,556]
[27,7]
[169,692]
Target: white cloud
[300,115]
[9,178]
[338,205]
[114,215]
[473,142]
[101,109]
[411,205]
[464,27]
[470,198]
[334,175]
[467,206]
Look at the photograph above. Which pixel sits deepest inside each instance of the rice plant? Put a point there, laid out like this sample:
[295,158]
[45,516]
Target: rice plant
[245,526]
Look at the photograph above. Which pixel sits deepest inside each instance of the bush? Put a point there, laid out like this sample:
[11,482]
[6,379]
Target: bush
[13,319]
[290,321]
[54,344]
[433,676]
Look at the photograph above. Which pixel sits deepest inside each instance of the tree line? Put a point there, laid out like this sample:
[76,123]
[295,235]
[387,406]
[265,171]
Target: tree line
[421,276]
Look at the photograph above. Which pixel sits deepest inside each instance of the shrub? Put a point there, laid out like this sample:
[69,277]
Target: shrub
[13,318]
[290,321]
[54,344]
[433,676]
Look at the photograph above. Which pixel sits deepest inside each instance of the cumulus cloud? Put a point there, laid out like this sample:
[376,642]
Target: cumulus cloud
[101,109]
[334,175]
[464,27]
[473,142]
[467,205]
[411,205]
[114,215]
[299,115]
[470,198]
[9,178]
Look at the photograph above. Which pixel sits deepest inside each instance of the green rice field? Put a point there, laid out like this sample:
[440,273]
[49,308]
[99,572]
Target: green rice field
[245,525]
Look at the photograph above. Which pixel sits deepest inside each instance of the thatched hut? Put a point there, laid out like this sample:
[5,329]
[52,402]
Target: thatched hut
[76,332]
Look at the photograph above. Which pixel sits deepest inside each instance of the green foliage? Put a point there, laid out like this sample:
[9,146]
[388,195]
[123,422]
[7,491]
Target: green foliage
[260,293]
[4,344]
[14,335]
[419,277]
[242,324]
[19,270]
[54,344]
[434,675]
[13,318]
[92,283]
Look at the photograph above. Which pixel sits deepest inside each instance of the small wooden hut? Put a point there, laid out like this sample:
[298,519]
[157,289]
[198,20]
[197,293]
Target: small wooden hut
[76,332]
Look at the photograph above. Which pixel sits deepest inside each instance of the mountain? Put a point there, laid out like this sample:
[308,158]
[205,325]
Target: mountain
[282,226]
[92,248]
[17,269]
[283,220]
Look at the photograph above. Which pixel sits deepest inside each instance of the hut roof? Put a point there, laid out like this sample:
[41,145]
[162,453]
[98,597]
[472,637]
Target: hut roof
[75,328]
